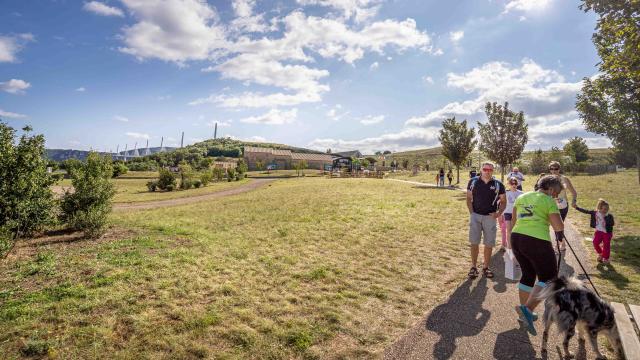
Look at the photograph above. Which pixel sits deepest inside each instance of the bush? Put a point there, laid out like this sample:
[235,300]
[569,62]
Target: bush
[197,184]
[218,173]
[206,178]
[170,187]
[88,207]
[231,173]
[119,169]
[26,200]
[186,184]
[152,185]
[6,241]
[166,179]
[143,166]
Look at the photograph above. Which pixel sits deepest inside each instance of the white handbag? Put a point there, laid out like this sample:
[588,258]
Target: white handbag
[511,267]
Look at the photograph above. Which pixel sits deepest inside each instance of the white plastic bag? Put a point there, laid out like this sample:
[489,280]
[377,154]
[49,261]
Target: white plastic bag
[511,267]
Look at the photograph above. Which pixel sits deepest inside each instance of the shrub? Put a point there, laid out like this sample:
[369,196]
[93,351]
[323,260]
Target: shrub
[87,208]
[186,184]
[166,179]
[26,199]
[197,184]
[218,173]
[143,166]
[119,169]
[6,241]
[152,185]
[206,178]
[242,167]
[170,187]
[231,173]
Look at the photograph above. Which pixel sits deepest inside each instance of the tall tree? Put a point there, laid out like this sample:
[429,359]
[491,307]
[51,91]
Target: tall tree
[504,135]
[610,103]
[457,142]
[577,149]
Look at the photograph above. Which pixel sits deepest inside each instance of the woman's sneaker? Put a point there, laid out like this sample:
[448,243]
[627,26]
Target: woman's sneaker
[527,315]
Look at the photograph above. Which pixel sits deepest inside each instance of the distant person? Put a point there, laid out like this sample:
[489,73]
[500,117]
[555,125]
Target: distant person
[486,202]
[473,173]
[533,212]
[515,172]
[563,201]
[602,221]
[450,176]
[512,194]
[441,177]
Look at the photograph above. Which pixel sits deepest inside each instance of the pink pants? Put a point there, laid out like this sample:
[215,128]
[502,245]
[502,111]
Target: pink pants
[503,229]
[605,239]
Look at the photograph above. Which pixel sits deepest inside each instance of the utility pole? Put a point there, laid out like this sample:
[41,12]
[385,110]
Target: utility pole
[215,131]
[182,141]
[161,142]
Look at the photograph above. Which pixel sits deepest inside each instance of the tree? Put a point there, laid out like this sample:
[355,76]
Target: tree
[89,205]
[577,149]
[538,162]
[457,142]
[26,199]
[622,157]
[504,136]
[378,153]
[405,164]
[610,104]
[300,166]
[386,152]
[260,165]
[371,160]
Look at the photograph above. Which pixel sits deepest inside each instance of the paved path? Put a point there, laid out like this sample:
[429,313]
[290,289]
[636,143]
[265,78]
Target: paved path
[254,184]
[478,321]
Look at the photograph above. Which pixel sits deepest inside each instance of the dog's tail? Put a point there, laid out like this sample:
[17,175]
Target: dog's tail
[558,284]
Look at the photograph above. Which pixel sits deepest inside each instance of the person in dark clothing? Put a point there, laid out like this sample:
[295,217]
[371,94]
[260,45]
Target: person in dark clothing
[441,177]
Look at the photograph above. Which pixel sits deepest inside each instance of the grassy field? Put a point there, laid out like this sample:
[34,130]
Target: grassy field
[621,279]
[284,173]
[304,268]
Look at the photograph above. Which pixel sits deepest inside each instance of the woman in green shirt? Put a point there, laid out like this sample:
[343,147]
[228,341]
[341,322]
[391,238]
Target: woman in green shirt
[533,212]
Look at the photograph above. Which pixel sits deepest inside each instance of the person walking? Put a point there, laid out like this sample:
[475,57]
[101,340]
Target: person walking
[505,220]
[441,177]
[602,221]
[533,212]
[450,176]
[515,172]
[562,199]
[486,202]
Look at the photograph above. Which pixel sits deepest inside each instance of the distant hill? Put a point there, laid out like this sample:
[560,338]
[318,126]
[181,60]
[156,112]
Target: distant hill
[64,154]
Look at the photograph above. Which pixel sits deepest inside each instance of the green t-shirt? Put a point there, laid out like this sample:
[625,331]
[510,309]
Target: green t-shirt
[533,209]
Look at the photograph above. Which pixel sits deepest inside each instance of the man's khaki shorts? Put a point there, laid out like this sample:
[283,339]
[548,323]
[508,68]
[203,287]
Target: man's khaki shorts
[482,226]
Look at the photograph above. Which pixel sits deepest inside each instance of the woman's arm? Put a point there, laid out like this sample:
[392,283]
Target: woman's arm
[571,189]
[514,217]
[556,222]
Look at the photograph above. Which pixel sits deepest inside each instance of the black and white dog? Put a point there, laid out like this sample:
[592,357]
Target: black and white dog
[569,303]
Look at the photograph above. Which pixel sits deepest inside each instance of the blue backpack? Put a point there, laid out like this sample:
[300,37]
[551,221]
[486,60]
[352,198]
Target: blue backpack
[496,181]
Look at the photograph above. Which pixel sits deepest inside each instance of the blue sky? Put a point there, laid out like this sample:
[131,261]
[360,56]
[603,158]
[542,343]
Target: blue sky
[340,74]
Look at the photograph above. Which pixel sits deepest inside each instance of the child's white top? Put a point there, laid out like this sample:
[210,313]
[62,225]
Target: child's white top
[511,198]
[600,222]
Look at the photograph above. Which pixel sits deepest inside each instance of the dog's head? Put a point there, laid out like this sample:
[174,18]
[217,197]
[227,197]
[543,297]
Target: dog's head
[610,330]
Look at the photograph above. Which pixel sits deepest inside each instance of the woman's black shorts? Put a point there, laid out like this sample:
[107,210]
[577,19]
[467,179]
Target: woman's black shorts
[536,258]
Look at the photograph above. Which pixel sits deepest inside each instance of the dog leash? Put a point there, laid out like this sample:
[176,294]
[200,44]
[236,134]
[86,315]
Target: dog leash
[579,263]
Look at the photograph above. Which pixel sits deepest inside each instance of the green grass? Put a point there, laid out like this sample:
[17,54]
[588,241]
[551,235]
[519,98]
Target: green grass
[135,190]
[303,268]
[284,173]
[620,281]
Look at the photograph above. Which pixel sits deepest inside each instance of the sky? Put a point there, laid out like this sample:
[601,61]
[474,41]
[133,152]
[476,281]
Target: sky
[371,75]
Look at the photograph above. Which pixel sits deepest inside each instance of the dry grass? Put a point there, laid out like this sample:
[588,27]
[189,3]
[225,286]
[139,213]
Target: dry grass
[305,268]
[135,190]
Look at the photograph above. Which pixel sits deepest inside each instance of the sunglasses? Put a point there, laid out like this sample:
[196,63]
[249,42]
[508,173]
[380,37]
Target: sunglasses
[487,169]
[516,184]
[554,168]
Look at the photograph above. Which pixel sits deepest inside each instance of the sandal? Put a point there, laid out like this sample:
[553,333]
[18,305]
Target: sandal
[473,272]
[486,272]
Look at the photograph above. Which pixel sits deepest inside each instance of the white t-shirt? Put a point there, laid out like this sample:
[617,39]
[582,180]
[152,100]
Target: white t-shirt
[511,199]
[601,224]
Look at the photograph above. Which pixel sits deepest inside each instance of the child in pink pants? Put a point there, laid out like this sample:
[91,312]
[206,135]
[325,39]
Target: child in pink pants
[603,223]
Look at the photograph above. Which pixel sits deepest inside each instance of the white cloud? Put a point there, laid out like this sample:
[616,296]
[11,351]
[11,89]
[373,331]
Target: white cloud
[81,89]
[456,36]
[136,135]
[526,5]
[436,117]
[15,86]
[359,10]
[11,45]
[173,30]
[334,113]
[406,139]
[372,120]
[221,123]
[120,118]
[427,80]
[273,117]
[99,8]
[374,66]
[11,115]
[438,52]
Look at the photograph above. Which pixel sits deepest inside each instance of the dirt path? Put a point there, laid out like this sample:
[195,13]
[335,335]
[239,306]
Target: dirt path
[254,184]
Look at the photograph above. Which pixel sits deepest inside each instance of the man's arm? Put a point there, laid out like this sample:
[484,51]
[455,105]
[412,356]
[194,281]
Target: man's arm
[470,201]
[514,218]
[571,189]
[503,205]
